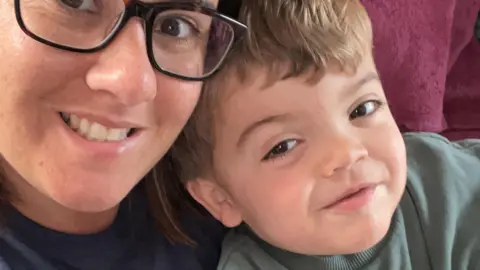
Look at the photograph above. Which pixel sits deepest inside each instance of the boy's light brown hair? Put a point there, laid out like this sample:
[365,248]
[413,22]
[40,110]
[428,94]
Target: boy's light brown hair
[286,38]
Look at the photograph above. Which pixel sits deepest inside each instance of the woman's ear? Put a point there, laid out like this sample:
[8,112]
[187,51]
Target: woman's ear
[216,200]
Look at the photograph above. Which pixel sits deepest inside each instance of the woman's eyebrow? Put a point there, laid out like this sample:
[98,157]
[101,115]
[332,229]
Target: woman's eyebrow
[204,3]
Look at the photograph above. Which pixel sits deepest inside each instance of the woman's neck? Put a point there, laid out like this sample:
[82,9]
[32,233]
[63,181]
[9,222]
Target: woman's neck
[61,219]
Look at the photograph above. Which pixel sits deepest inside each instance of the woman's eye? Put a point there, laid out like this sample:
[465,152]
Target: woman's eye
[175,27]
[281,149]
[365,109]
[88,5]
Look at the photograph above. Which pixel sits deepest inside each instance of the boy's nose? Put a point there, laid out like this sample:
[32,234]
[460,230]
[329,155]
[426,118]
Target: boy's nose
[123,68]
[340,152]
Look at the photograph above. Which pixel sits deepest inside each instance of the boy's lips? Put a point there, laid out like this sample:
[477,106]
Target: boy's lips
[353,198]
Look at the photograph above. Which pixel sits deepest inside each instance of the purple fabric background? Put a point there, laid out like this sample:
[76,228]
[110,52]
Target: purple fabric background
[429,61]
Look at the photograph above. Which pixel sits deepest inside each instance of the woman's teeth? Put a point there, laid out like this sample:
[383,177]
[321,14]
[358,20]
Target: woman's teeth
[94,131]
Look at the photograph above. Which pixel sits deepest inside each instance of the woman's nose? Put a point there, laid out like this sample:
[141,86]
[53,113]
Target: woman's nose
[123,68]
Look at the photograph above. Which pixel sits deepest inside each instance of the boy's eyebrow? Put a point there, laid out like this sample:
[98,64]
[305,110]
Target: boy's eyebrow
[267,120]
[370,76]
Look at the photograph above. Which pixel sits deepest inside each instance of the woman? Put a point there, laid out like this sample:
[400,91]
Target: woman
[93,93]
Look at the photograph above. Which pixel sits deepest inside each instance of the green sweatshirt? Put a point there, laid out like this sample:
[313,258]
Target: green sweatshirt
[436,225]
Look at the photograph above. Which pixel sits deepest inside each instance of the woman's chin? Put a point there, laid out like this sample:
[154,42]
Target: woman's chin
[97,194]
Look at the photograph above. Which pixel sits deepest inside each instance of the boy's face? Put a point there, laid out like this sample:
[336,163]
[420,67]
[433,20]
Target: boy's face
[313,169]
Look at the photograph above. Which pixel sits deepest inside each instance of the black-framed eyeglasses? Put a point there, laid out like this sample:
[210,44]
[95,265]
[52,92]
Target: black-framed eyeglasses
[185,40]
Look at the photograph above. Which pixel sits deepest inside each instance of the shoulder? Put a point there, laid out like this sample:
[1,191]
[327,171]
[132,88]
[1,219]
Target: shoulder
[437,164]
[436,142]
[13,253]
[208,235]
[443,197]
[3,264]
[241,252]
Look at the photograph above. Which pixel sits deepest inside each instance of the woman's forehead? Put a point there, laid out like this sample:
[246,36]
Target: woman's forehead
[206,3]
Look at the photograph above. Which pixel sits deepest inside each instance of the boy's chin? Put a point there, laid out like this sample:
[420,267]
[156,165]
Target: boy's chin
[342,242]
[363,245]
[352,244]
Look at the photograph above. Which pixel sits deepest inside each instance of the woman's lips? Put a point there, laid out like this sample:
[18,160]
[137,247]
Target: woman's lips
[107,150]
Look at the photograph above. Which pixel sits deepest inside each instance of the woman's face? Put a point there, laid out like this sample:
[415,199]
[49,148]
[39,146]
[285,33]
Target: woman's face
[87,163]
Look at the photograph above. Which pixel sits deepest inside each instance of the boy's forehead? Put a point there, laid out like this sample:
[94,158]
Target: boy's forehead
[260,78]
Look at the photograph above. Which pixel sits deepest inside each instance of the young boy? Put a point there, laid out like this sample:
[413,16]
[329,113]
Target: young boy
[293,145]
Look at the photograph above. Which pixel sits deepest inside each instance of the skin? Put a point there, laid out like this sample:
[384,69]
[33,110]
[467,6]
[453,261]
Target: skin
[328,147]
[57,183]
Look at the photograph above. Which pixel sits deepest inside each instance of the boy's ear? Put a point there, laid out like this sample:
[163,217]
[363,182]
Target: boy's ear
[216,200]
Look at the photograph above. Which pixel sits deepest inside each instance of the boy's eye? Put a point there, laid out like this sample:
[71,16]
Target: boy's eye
[365,109]
[281,149]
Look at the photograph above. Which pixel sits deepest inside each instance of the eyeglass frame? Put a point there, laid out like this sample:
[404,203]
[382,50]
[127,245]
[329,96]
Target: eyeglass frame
[147,12]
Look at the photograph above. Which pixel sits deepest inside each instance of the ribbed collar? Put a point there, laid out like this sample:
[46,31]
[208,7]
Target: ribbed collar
[337,262]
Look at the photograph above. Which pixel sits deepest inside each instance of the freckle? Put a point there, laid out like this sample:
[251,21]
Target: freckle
[40,163]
